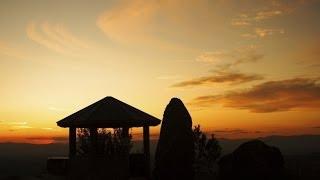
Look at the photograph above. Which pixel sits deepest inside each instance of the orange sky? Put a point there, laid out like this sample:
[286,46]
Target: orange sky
[243,68]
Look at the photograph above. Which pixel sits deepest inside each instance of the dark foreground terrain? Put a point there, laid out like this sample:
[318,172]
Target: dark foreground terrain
[301,153]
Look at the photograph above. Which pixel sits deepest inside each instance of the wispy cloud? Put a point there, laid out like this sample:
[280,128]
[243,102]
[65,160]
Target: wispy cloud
[262,15]
[266,11]
[270,96]
[56,37]
[138,22]
[58,139]
[134,14]
[21,127]
[14,122]
[246,19]
[267,32]
[224,63]
[234,131]
[227,59]
[16,125]
[213,57]
[241,20]
[262,33]
[49,129]
[231,131]
[219,77]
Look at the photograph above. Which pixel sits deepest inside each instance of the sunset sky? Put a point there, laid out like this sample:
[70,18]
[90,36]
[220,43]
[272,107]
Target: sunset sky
[243,68]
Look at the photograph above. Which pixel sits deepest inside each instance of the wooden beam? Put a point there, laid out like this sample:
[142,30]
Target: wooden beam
[72,142]
[146,148]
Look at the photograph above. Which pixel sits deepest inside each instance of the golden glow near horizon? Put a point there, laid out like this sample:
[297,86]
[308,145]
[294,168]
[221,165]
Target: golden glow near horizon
[243,68]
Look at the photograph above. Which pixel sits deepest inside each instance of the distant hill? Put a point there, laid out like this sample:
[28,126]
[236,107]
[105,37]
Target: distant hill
[30,159]
[27,159]
[289,145]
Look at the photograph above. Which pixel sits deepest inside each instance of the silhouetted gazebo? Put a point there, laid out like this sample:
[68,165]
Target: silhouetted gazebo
[109,113]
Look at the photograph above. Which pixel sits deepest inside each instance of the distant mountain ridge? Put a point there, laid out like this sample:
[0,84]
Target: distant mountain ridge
[24,159]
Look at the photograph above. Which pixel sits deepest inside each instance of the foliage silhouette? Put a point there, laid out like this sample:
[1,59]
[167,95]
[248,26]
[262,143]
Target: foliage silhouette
[109,143]
[207,150]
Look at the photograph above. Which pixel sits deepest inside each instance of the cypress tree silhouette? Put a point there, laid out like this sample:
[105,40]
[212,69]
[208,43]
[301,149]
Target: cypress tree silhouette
[175,150]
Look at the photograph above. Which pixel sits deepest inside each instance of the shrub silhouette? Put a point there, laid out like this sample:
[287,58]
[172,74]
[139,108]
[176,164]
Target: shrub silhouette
[208,149]
[109,143]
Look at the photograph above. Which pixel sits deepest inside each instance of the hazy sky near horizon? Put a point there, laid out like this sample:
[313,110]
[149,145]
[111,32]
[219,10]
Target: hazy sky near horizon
[243,68]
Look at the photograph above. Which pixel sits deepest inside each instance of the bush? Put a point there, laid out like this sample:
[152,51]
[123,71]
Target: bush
[207,151]
[109,143]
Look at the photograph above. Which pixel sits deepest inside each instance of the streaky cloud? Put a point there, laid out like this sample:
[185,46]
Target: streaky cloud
[56,37]
[220,77]
[270,96]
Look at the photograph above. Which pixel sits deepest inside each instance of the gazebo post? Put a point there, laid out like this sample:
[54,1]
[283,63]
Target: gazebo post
[125,132]
[146,148]
[72,142]
[93,140]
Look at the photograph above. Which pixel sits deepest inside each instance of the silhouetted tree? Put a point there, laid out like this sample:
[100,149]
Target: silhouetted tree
[207,151]
[83,141]
[175,150]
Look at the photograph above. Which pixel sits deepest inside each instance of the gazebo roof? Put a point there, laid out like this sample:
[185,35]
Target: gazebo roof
[109,112]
